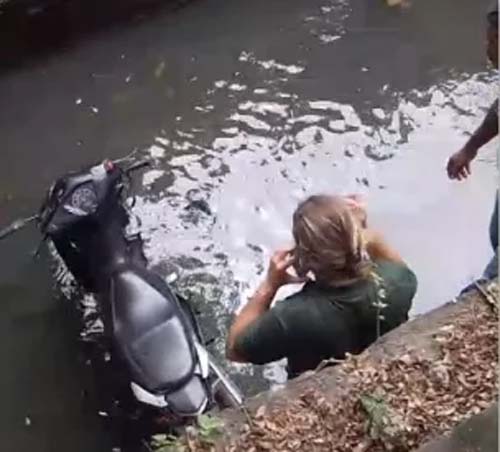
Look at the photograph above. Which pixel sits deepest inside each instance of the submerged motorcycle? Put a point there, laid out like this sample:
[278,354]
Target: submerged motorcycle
[152,332]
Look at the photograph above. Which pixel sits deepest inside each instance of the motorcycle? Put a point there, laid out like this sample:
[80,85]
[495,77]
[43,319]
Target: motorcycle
[152,332]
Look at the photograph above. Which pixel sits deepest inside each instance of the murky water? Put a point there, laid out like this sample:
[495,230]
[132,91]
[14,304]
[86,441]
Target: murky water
[245,109]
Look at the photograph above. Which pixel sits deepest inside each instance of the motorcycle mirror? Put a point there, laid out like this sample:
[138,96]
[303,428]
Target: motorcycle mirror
[138,166]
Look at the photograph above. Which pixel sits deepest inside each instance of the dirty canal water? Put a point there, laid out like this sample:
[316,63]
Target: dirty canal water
[245,108]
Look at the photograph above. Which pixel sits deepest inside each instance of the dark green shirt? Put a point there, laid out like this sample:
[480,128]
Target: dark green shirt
[321,322]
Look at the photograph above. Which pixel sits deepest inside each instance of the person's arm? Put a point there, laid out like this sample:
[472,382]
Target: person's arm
[378,248]
[485,132]
[260,302]
[459,163]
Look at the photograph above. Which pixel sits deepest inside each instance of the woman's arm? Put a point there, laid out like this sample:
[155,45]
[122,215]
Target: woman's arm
[260,302]
[257,305]
[459,163]
[378,248]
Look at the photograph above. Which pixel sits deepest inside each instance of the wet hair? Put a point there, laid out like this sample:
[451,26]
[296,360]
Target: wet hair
[329,242]
[493,15]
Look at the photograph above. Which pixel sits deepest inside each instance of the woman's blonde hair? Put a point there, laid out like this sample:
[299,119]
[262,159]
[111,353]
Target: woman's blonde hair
[329,241]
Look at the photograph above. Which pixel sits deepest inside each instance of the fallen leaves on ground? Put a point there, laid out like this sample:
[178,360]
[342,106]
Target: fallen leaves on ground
[395,405]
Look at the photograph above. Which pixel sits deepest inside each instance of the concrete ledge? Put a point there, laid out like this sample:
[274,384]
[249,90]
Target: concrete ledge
[477,434]
[415,337]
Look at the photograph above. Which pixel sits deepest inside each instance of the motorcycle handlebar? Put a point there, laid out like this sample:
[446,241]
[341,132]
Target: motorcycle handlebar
[22,223]
[137,166]
[16,226]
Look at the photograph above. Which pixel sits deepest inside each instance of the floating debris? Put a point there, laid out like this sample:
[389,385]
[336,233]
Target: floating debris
[220,84]
[160,69]
[327,39]
[201,205]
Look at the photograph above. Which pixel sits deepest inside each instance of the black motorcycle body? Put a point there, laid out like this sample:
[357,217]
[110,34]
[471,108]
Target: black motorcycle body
[151,330]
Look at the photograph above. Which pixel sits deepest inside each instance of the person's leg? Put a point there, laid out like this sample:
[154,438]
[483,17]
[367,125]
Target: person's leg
[491,270]
[494,226]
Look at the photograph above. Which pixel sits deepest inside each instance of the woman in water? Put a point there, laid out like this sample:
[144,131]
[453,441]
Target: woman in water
[356,288]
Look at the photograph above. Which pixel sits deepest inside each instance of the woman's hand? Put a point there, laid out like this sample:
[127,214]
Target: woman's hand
[278,273]
[358,206]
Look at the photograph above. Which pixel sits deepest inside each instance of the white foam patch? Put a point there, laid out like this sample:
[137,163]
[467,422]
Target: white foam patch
[438,97]
[327,39]
[184,160]
[395,125]
[156,151]
[163,141]
[151,176]
[324,105]
[337,126]
[204,109]
[245,56]
[379,113]
[184,134]
[182,146]
[311,134]
[306,119]
[250,121]
[230,130]
[273,64]
[350,116]
[265,108]
[237,87]
[291,69]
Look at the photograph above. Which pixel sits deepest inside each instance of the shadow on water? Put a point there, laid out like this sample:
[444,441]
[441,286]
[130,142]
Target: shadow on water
[42,383]
[31,30]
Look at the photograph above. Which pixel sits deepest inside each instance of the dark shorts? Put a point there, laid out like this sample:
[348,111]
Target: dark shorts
[494,225]
[491,270]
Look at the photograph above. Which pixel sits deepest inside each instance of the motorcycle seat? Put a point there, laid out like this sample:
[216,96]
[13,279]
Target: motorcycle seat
[150,330]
